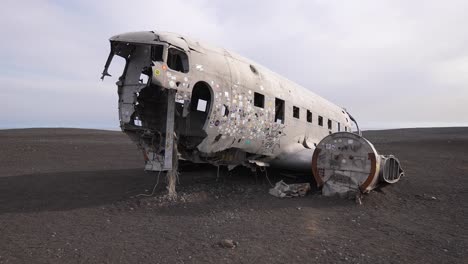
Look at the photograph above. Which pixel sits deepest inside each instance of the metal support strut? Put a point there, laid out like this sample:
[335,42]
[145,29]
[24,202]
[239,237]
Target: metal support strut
[169,146]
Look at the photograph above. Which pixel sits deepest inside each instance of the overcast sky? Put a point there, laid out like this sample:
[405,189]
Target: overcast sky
[390,63]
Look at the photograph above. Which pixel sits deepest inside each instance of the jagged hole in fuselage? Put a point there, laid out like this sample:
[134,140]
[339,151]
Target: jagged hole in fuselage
[152,108]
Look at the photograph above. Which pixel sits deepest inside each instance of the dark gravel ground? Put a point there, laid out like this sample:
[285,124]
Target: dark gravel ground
[68,196]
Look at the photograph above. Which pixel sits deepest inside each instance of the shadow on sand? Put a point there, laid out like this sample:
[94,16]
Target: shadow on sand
[71,190]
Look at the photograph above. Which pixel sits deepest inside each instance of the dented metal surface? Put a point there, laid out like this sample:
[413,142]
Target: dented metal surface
[228,110]
[345,164]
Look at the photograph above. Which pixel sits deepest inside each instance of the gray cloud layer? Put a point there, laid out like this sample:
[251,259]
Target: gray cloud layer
[391,63]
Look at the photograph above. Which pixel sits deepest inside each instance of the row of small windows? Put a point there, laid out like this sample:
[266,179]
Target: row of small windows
[320,120]
[296,114]
[178,61]
[259,101]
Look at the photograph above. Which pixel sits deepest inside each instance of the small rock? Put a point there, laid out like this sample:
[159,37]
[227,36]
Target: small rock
[228,243]
[433,198]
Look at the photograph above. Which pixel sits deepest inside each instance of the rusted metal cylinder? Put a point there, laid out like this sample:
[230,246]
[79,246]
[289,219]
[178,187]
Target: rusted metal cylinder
[345,162]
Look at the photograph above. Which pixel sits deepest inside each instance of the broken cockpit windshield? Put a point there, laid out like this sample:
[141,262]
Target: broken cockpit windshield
[127,51]
[177,60]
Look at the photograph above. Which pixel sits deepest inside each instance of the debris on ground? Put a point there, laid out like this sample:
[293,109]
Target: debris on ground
[227,243]
[344,189]
[282,189]
[426,197]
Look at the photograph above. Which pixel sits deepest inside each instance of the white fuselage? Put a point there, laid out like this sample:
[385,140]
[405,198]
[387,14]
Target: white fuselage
[242,105]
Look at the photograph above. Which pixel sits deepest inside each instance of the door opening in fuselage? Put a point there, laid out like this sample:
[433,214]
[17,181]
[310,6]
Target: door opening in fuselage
[191,127]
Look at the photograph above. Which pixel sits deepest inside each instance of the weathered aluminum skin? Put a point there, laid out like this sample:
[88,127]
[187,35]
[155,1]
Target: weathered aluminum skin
[233,80]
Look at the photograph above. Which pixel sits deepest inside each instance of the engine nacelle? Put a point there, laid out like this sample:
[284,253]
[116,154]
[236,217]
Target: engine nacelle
[345,163]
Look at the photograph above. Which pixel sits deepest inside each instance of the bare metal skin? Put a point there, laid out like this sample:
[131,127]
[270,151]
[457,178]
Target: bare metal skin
[221,108]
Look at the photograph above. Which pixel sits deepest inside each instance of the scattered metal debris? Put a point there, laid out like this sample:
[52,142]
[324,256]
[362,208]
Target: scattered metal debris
[282,189]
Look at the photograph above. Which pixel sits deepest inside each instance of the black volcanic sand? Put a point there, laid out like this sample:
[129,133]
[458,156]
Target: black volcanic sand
[68,196]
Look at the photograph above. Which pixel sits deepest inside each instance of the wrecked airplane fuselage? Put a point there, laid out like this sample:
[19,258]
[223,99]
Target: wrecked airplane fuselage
[181,99]
[223,108]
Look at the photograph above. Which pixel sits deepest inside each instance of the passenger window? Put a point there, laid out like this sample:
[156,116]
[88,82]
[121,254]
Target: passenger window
[339,127]
[259,100]
[309,116]
[177,60]
[329,124]
[320,121]
[296,112]
[279,111]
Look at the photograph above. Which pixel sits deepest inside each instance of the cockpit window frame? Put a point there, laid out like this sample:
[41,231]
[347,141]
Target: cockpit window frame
[186,67]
